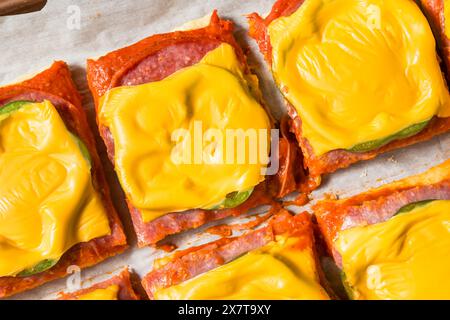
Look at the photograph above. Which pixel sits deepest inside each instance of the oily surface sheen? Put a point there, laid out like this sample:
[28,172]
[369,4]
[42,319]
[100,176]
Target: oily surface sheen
[276,271]
[406,257]
[108,293]
[47,201]
[161,172]
[357,70]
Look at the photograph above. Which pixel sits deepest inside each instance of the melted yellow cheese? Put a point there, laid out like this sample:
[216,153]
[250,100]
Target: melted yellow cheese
[213,94]
[357,70]
[47,201]
[276,271]
[406,257]
[109,293]
[447,18]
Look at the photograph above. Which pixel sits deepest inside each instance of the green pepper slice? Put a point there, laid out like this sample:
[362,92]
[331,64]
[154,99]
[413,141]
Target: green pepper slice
[234,199]
[405,133]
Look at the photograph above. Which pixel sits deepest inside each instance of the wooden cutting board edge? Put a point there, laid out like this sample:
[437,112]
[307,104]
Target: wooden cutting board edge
[11,7]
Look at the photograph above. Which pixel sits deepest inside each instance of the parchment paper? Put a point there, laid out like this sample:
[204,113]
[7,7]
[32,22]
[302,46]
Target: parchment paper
[30,42]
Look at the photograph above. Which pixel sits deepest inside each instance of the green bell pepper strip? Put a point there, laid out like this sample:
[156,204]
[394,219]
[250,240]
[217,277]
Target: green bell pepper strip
[9,108]
[233,199]
[84,150]
[348,288]
[375,144]
[412,206]
[38,268]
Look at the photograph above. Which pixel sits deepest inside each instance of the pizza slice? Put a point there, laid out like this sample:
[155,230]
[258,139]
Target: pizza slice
[55,206]
[278,261]
[360,78]
[185,126]
[393,242]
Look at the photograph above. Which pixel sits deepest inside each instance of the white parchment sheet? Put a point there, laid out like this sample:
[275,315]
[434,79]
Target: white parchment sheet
[72,31]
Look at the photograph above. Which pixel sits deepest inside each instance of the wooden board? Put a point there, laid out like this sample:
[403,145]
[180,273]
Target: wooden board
[9,7]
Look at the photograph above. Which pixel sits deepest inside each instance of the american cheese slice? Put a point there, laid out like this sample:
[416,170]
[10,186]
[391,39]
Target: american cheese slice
[357,71]
[47,201]
[108,293]
[406,257]
[212,96]
[277,271]
[447,18]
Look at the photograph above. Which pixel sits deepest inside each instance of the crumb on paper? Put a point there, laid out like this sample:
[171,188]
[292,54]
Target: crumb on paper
[392,159]
[363,174]
[95,16]
[167,247]
[331,196]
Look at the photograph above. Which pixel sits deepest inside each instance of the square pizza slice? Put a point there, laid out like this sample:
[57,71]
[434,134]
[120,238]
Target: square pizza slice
[55,206]
[393,242]
[185,126]
[360,78]
[277,261]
